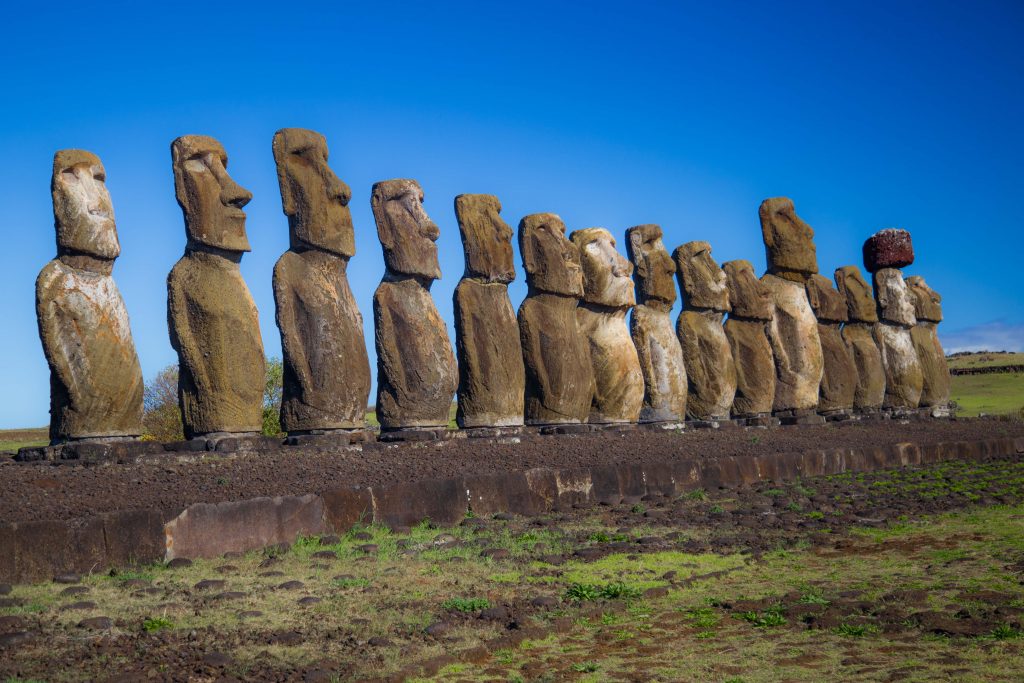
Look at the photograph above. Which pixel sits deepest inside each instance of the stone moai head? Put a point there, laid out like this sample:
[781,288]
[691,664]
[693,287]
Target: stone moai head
[748,296]
[607,275]
[860,302]
[486,238]
[701,281]
[895,303]
[889,248]
[82,211]
[404,228]
[211,201]
[927,302]
[828,304]
[314,199]
[653,267]
[788,240]
[551,262]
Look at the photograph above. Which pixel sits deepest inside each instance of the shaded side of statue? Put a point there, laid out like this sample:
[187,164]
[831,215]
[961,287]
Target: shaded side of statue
[747,331]
[859,337]
[934,370]
[839,376]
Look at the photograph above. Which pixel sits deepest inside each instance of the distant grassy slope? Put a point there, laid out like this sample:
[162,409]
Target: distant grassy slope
[984,360]
[13,439]
[995,394]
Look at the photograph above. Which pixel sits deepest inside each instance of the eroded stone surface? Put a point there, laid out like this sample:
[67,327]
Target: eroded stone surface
[657,346]
[857,334]
[213,320]
[701,281]
[788,240]
[559,379]
[796,346]
[746,330]
[895,302]
[934,369]
[492,376]
[860,302]
[839,378]
[326,367]
[416,371]
[601,318]
[889,248]
[904,379]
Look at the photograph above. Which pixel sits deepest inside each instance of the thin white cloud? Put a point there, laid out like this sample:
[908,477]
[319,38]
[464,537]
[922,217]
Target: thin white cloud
[994,336]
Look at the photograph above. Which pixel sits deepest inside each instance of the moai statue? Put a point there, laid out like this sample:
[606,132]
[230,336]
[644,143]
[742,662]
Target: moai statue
[326,367]
[658,348]
[839,379]
[859,337]
[213,321]
[416,371]
[885,253]
[559,379]
[492,377]
[710,369]
[935,371]
[747,332]
[601,317]
[793,331]
[95,378]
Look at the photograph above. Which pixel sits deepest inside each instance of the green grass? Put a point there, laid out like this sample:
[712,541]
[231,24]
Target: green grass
[986,360]
[996,394]
[13,439]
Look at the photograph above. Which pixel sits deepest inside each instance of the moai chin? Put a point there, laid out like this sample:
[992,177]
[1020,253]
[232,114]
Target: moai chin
[492,378]
[710,368]
[858,335]
[934,370]
[793,330]
[839,378]
[746,330]
[601,318]
[904,380]
[326,367]
[416,372]
[657,346]
[559,378]
[95,378]
[214,325]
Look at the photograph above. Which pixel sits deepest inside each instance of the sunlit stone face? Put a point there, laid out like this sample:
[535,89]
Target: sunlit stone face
[551,261]
[404,228]
[211,201]
[927,302]
[788,240]
[895,302]
[748,296]
[654,268]
[313,197]
[702,282]
[82,209]
[486,238]
[606,273]
[860,302]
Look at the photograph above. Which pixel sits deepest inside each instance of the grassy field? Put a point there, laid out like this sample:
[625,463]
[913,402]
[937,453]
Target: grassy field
[13,439]
[996,394]
[985,360]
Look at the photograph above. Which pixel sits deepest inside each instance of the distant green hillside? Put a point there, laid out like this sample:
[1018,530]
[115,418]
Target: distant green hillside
[985,359]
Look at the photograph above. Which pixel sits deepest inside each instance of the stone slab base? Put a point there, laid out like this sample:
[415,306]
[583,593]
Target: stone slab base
[758,421]
[571,428]
[34,551]
[403,435]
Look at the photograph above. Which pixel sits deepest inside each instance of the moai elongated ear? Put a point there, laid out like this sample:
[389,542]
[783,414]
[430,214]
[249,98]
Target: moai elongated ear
[279,147]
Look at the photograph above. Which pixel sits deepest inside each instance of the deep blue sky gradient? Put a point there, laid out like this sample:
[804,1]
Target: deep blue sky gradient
[868,115]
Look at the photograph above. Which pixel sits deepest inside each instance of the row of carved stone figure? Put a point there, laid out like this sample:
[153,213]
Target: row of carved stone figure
[793,345]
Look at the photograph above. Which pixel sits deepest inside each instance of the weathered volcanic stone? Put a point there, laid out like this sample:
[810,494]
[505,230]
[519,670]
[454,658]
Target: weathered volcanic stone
[857,333]
[746,330]
[213,320]
[492,377]
[326,367]
[559,379]
[796,347]
[650,325]
[95,377]
[710,369]
[889,248]
[934,370]
[839,378]
[788,240]
[416,371]
[904,379]
[601,317]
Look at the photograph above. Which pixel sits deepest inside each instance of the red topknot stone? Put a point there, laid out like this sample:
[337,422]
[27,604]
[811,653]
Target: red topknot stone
[889,248]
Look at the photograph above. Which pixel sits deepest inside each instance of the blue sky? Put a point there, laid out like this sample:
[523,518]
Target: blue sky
[868,115]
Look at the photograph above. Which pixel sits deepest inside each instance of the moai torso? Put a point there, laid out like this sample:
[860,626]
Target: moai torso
[839,378]
[858,335]
[657,346]
[793,330]
[213,321]
[326,367]
[559,378]
[95,378]
[934,370]
[601,317]
[416,371]
[492,377]
[746,330]
[710,369]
